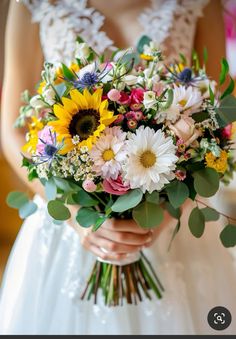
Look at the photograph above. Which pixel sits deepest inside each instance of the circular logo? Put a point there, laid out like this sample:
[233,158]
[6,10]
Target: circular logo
[219,318]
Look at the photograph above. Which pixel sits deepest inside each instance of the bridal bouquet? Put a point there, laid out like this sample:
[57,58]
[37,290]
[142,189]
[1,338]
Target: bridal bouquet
[128,137]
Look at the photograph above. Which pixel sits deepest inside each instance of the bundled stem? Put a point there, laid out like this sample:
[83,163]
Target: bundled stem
[118,283]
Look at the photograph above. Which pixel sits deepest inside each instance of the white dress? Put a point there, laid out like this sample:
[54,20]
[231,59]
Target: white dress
[48,267]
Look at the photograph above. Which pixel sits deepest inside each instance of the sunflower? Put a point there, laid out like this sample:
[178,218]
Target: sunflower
[32,136]
[83,117]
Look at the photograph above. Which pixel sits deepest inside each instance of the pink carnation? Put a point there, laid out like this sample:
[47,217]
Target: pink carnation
[114,95]
[124,98]
[115,186]
[227,132]
[136,96]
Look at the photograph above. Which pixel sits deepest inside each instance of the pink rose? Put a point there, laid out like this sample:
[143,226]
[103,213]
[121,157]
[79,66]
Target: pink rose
[114,95]
[136,96]
[227,131]
[184,129]
[124,98]
[115,186]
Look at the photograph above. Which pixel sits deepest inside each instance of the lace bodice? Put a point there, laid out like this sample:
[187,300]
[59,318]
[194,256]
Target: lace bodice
[171,23]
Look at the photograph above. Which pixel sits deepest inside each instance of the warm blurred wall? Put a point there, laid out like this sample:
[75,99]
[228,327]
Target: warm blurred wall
[9,220]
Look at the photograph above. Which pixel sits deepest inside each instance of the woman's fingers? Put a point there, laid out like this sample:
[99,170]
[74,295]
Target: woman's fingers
[101,254]
[124,225]
[126,238]
[112,246]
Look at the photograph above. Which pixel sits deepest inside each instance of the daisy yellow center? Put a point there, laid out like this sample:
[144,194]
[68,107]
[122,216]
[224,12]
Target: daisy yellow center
[108,155]
[84,123]
[148,159]
[183,102]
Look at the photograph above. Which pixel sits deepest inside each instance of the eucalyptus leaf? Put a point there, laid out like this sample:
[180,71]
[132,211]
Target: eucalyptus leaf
[63,184]
[210,214]
[226,112]
[153,197]
[127,201]
[144,40]
[50,189]
[200,116]
[177,192]
[174,212]
[176,230]
[84,199]
[87,217]
[229,89]
[228,236]
[58,210]
[196,222]
[27,209]
[206,182]
[148,215]
[16,199]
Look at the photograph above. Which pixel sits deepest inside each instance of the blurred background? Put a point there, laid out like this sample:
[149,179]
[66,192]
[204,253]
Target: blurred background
[9,220]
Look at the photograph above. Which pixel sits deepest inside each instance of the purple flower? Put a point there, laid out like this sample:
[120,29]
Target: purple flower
[47,146]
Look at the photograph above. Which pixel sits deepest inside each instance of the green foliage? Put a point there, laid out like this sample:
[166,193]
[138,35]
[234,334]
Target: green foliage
[176,230]
[50,189]
[127,201]
[174,212]
[144,40]
[177,192]
[200,116]
[58,210]
[27,209]
[20,201]
[67,72]
[224,71]
[229,89]
[101,219]
[226,112]
[212,96]
[228,236]
[152,197]
[87,216]
[148,215]
[210,214]
[196,222]
[206,182]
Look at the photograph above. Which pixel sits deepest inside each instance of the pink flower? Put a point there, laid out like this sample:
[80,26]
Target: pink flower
[115,186]
[46,136]
[227,132]
[89,186]
[139,115]
[181,146]
[130,115]
[119,119]
[114,95]
[180,175]
[135,107]
[136,96]
[124,98]
[132,124]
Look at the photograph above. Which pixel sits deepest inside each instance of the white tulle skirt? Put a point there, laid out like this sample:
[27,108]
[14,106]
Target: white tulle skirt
[47,270]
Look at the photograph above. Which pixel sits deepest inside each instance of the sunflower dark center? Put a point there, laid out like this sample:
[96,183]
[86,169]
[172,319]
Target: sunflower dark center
[84,123]
[186,75]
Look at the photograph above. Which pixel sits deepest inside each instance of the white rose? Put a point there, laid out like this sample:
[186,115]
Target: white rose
[130,79]
[82,50]
[149,99]
[36,102]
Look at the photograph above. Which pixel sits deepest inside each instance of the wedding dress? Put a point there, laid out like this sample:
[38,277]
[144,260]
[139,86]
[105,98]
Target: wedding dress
[48,267]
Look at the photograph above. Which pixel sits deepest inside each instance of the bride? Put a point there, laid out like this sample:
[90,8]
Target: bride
[49,263]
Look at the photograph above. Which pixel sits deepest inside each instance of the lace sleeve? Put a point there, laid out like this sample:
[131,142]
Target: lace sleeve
[172,23]
[37,8]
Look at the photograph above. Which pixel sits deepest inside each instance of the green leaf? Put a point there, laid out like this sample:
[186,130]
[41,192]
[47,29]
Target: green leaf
[196,222]
[176,230]
[152,197]
[210,214]
[27,209]
[61,89]
[229,89]
[101,219]
[212,95]
[67,72]
[58,210]
[169,100]
[127,201]
[148,215]
[224,70]
[84,199]
[130,58]
[144,40]
[87,217]
[177,192]
[183,59]
[50,189]
[195,60]
[63,184]
[226,111]
[174,212]
[206,182]
[200,116]
[16,199]
[228,236]
[79,39]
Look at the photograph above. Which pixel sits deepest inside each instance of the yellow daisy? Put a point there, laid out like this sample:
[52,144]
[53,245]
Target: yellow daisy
[218,163]
[84,116]
[34,127]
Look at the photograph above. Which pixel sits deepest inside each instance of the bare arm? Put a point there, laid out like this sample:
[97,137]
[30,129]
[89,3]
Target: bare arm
[211,34]
[23,63]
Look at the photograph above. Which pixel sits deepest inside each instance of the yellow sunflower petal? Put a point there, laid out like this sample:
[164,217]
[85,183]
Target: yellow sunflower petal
[69,105]
[60,112]
[88,98]
[97,98]
[79,99]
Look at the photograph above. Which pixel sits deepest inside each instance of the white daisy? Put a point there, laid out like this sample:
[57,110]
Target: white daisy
[109,153]
[151,160]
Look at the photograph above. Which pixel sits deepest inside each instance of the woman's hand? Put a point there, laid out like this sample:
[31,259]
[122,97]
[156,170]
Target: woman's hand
[117,238]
